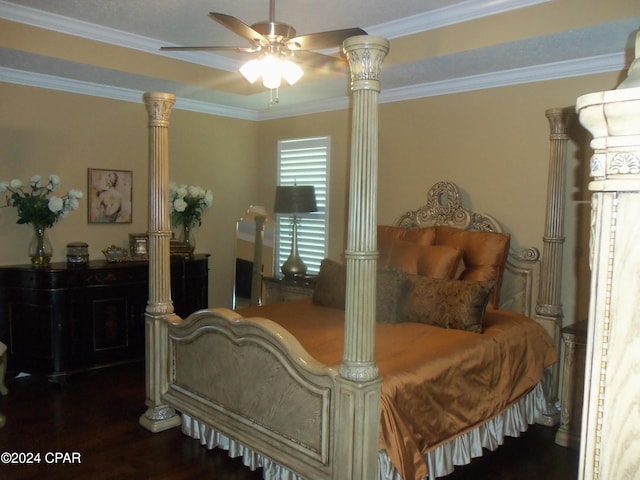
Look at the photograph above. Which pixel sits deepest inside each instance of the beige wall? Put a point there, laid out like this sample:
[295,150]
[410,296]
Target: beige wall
[334,124]
[494,144]
[44,131]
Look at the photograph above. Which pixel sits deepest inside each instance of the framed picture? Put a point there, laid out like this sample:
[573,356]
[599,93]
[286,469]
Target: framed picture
[138,246]
[110,196]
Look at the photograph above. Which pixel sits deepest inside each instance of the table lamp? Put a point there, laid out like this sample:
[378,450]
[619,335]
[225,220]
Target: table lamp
[295,199]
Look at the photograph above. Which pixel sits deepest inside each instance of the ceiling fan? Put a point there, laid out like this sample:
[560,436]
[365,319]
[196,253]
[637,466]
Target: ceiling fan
[279,48]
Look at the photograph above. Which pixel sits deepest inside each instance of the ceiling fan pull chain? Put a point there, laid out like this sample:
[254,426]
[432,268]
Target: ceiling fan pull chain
[274,100]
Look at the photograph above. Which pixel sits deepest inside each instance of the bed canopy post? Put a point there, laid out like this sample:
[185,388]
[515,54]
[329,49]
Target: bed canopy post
[609,446]
[549,311]
[359,384]
[158,416]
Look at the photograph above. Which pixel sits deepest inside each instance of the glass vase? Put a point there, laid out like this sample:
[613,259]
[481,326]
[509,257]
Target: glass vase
[188,238]
[40,249]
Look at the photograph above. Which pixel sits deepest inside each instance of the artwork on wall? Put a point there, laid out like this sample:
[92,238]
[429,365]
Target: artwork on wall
[110,196]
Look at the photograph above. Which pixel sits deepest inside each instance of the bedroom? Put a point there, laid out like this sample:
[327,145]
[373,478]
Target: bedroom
[50,131]
[503,140]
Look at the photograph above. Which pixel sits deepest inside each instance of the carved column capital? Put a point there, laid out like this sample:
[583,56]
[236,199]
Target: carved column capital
[159,107]
[558,121]
[365,54]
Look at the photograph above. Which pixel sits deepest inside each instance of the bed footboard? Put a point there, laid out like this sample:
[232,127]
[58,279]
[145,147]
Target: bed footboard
[252,381]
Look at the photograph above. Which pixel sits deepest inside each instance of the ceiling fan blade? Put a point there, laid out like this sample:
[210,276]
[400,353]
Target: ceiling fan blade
[210,48]
[318,60]
[321,40]
[240,28]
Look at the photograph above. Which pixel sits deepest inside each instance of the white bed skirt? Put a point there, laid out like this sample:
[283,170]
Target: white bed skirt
[441,461]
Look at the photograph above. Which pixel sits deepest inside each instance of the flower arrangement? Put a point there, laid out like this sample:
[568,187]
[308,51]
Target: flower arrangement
[187,204]
[36,204]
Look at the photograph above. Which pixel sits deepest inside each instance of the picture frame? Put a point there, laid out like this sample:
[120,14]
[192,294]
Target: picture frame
[138,246]
[110,196]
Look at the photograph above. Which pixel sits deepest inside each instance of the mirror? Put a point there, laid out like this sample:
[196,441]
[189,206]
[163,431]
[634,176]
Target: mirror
[255,252]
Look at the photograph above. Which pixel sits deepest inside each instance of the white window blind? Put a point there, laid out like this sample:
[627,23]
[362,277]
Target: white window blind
[304,161]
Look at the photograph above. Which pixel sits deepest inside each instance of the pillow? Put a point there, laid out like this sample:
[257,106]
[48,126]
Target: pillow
[331,286]
[435,261]
[390,285]
[455,304]
[388,234]
[484,255]
[330,289]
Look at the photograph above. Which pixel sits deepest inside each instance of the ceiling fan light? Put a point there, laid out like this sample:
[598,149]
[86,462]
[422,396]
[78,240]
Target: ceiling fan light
[291,71]
[251,70]
[271,71]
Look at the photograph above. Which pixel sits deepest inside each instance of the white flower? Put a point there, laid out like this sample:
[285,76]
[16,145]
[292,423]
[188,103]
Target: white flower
[179,204]
[35,204]
[193,191]
[56,204]
[182,191]
[208,198]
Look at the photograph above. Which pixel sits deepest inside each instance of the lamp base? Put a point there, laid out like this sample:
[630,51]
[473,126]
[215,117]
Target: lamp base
[294,266]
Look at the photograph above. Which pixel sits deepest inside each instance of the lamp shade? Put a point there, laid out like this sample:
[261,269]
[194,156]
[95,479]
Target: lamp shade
[295,199]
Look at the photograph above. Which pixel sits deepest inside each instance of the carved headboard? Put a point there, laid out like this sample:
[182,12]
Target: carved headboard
[521,276]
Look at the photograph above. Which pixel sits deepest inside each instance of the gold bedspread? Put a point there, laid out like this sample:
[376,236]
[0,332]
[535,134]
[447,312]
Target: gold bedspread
[437,383]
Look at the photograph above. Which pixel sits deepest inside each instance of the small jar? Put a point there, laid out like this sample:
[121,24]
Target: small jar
[77,253]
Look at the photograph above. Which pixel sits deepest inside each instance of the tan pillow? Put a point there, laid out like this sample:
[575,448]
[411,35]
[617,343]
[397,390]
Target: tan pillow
[388,234]
[435,261]
[331,286]
[390,287]
[484,254]
[455,304]
[330,289]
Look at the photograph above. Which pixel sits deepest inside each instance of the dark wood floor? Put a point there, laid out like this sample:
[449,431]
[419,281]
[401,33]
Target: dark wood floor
[95,417]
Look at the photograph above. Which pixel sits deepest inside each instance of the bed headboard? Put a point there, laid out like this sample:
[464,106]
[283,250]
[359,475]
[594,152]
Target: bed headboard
[520,283]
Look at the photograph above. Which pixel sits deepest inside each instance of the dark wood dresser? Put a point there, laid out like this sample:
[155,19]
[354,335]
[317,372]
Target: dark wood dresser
[70,318]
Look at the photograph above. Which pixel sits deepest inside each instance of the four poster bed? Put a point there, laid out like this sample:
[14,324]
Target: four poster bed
[374,377]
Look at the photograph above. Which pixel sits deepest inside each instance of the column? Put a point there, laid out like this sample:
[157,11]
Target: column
[359,385]
[609,436]
[158,416]
[549,307]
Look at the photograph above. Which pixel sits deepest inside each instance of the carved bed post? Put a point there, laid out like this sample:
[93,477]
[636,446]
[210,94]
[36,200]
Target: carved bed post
[609,446]
[359,385]
[158,416]
[549,306]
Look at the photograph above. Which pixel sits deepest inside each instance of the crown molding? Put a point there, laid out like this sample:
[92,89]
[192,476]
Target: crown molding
[458,13]
[51,82]
[537,73]
[91,31]
[441,17]
[517,76]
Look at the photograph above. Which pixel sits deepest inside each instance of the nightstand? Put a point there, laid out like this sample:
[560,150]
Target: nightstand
[282,289]
[574,338]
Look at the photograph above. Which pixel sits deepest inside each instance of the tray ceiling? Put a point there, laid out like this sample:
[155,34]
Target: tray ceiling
[111,49]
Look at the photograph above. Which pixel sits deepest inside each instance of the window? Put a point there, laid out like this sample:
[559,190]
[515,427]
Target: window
[304,161]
